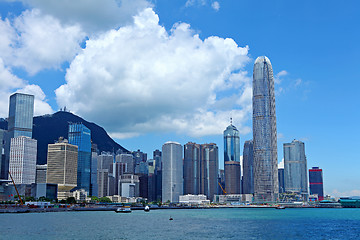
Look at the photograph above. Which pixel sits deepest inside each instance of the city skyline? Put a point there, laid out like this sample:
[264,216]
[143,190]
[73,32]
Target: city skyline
[307,71]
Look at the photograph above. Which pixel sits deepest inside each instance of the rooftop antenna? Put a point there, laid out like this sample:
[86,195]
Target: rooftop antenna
[230,120]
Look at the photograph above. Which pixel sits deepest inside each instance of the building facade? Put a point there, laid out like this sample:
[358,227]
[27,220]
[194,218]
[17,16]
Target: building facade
[232,160]
[80,136]
[41,173]
[20,122]
[209,170]
[172,172]
[266,185]
[191,168]
[295,168]
[316,182]
[62,165]
[281,180]
[248,168]
[22,164]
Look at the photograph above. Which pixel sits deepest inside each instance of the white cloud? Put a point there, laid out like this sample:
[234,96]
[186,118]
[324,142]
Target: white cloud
[10,83]
[190,3]
[216,6]
[350,193]
[141,78]
[279,75]
[281,164]
[93,15]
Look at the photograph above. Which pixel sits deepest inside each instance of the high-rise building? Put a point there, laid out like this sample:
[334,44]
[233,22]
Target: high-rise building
[295,169]
[22,165]
[191,168]
[62,165]
[20,122]
[2,151]
[103,182]
[232,177]
[129,162]
[129,185]
[232,160]
[172,173]
[93,182]
[80,136]
[266,185]
[248,168]
[316,182]
[41,173]
[281,180]
[157,158]
[209,170]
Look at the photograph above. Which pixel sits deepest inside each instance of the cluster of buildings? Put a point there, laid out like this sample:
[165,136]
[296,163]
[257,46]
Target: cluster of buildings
[186,174]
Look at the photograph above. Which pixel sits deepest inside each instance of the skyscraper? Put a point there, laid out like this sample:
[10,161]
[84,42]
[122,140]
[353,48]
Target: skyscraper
[316,182]
[172,173]
[20,121]
[266,186]
[281,180]
[248,168]
[209,170]
[191,168]
[80,136]
[295,168]
[62,165]
[22,164]
[232,160]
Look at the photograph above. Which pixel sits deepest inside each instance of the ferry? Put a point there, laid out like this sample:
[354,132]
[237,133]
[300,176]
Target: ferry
[147,209]
[123,210]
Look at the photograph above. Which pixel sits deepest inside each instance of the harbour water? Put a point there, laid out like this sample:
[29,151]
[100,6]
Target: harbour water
[236,223]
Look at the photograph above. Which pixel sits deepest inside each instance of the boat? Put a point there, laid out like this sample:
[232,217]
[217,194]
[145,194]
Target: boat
[147,209]
[280,207]
[123,210]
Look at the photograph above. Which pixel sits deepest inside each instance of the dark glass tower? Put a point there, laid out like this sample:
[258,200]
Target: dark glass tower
[191,168]
[266,186]
[232,160]
[209,170]
[248,168]
[316,182]
[80,136]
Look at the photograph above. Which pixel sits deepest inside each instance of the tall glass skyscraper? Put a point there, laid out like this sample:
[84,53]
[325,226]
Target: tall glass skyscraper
[295,168]
[248,168]
[80,136]
[172,173]
[209,170]
[20,122]
[232,160]
[266,186]
[191,168]
[316,182]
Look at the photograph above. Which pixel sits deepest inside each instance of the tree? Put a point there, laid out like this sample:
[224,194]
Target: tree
[105,200]
[70,200]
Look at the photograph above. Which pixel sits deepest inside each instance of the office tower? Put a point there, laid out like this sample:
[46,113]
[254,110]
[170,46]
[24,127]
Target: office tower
[209,170]
[295,168]
[22,165]
[80,136]
[129,185]
[20,121]
[232,160]
[129,162]
[139,156]
[221,180]
[191,168]
[2,151]
[172,172]
[248,168]
[157,158]
[232,177]
[93,181]
[316,182]
[62,165]
[105,161]
[103,182]
[266,185]
[41,173]
[281,180]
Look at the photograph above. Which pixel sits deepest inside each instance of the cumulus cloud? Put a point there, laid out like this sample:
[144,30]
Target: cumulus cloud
[279,75]
[281,164]
[35,41]
[141,78]
[10,83]
[216,6]
[93,15]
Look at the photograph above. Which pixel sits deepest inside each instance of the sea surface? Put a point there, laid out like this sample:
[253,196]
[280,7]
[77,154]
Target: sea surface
[239,223]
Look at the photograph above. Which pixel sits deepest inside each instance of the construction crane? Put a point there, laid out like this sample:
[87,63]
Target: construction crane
[222,188]
[16,189]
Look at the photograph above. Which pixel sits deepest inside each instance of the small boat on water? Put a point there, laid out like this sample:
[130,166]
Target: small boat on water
[280,207]
[147,209]
[123,210]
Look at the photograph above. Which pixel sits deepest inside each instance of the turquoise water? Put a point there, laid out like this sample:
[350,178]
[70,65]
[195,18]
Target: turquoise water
[187,224]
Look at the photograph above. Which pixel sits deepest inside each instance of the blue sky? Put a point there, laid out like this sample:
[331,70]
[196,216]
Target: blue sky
[180,69]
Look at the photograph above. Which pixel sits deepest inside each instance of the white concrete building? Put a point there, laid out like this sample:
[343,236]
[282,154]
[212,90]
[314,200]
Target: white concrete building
[194,199]
[22,165]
